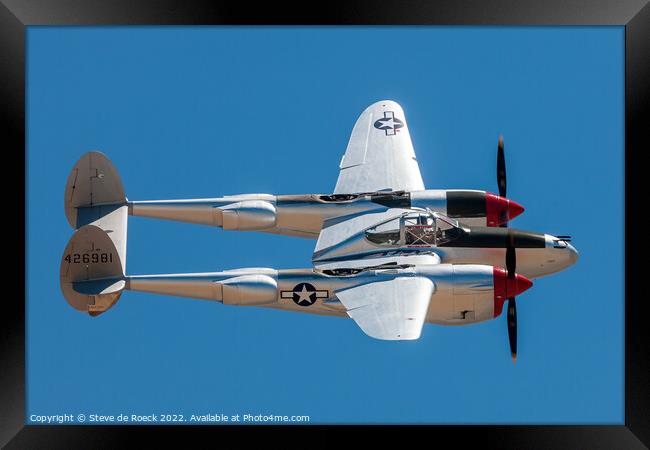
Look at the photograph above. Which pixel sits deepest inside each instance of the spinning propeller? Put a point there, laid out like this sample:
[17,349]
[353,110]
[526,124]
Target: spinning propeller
[501,168]
[511,253]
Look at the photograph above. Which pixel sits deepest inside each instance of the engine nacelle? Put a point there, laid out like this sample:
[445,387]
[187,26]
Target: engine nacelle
[248,215]
[479,293]
[250,290]
[470,293]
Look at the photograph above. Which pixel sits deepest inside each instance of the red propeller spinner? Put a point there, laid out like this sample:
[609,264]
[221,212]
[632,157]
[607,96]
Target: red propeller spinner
[500,210]
[505,287]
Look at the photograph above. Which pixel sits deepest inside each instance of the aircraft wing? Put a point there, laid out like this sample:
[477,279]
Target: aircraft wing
[389,310]
[380,153]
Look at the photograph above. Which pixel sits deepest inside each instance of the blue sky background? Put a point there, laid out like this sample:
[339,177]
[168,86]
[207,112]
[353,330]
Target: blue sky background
[203,112]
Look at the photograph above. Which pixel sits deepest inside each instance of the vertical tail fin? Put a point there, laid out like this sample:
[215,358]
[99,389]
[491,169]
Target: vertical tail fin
[93,182]
[94,195]
[92,272]
[94,262]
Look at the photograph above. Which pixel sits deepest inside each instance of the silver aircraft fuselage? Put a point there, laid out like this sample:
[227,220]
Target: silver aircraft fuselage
[305,216]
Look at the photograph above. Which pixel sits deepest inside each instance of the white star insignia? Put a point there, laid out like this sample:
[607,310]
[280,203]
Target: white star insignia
[304,295]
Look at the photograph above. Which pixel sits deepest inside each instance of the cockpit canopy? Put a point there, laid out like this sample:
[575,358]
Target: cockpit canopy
[415,229]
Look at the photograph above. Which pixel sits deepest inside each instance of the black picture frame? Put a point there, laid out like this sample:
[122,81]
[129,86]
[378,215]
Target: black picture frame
[634,15]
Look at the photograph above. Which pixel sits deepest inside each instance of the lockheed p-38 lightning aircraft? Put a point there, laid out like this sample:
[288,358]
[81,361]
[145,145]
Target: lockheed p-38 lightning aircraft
[389,253]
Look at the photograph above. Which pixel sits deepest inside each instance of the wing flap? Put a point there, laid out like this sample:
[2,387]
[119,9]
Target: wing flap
[389,310]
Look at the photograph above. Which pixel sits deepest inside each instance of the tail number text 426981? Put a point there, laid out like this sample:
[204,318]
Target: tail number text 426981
[86,258]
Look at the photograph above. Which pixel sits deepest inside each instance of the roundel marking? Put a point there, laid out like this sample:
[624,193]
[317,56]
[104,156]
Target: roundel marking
[304,294]
[389,123]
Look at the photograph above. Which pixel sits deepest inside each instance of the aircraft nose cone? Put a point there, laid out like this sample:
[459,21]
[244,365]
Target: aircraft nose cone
[560,254]
[573,254]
